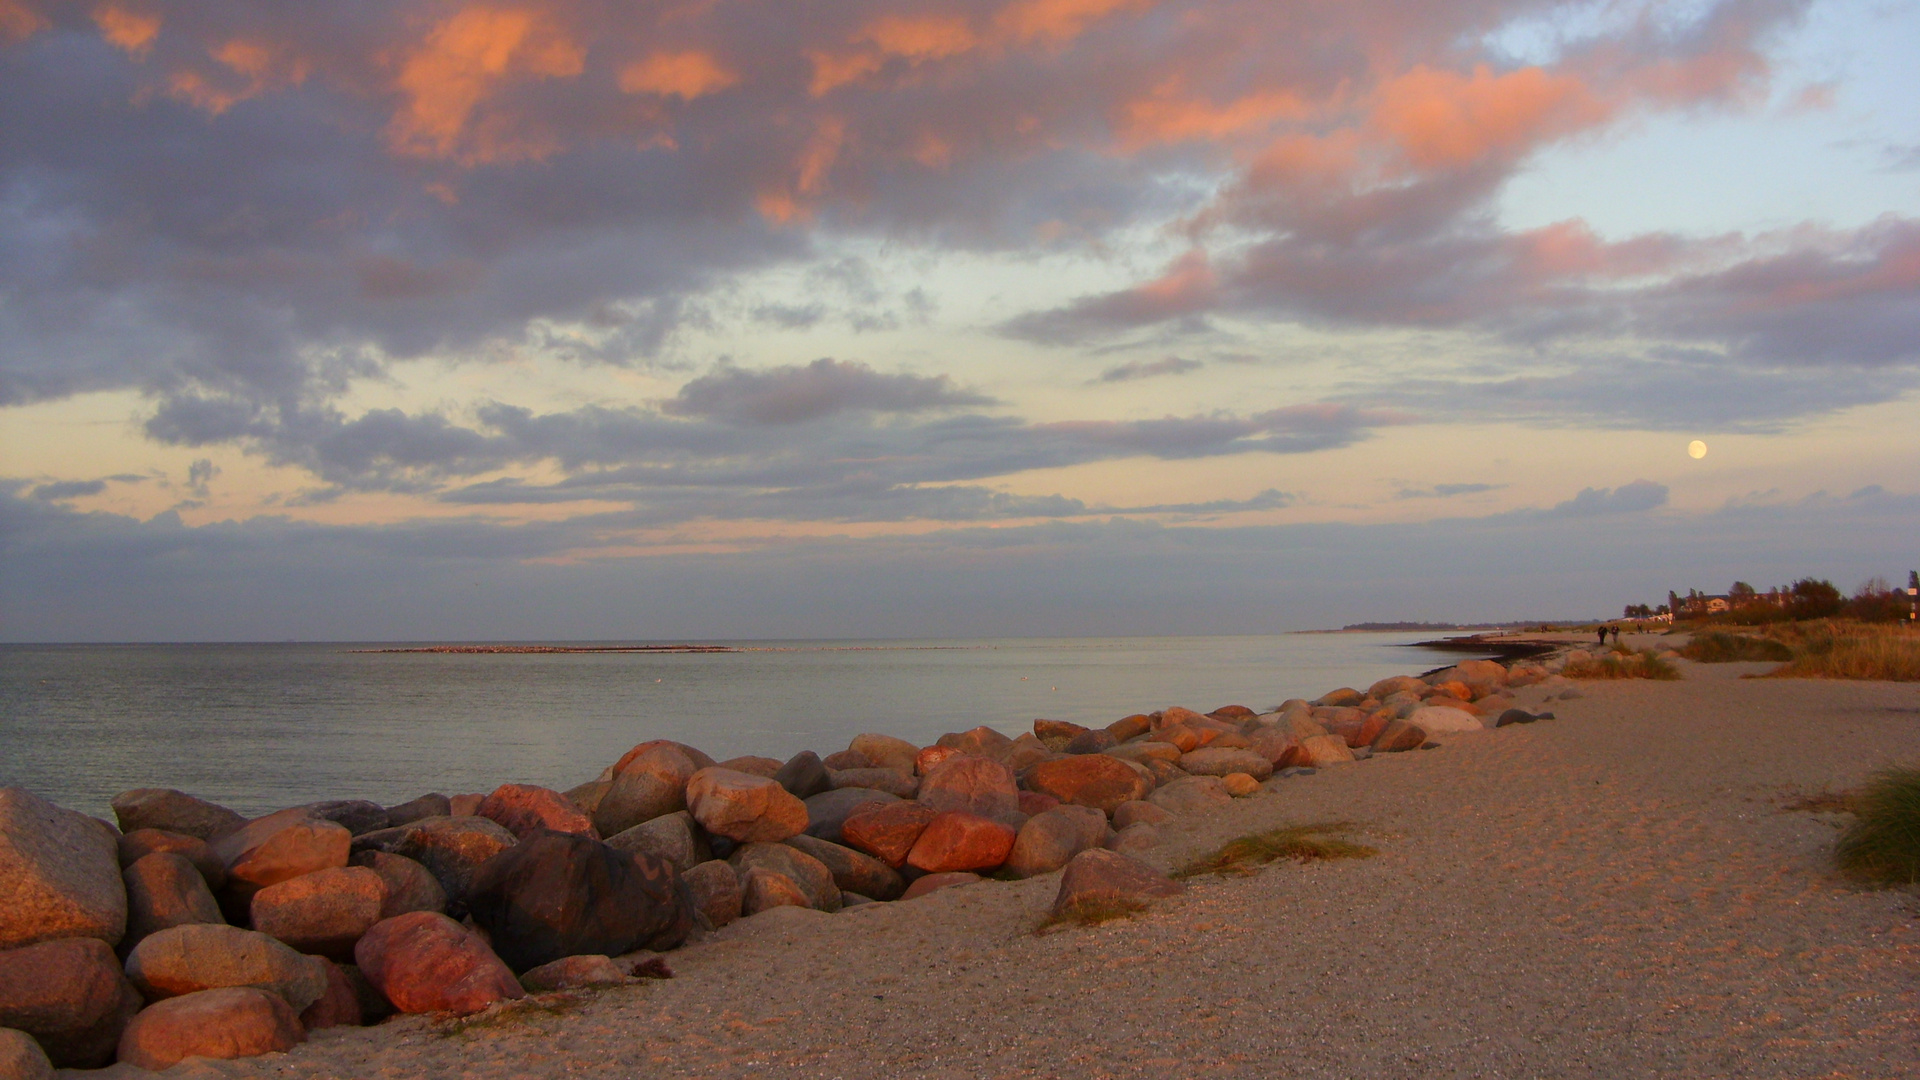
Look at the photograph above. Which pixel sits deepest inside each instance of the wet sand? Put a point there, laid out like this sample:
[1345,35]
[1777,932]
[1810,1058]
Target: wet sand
[1620,892]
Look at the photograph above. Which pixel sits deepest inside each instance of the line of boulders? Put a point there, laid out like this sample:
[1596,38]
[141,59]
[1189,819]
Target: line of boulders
[187,930]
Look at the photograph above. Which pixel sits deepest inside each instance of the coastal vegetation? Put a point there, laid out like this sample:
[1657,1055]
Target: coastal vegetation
[1721,647]
[1882,847]
[1316,842]
[1621,663]
[1848,650]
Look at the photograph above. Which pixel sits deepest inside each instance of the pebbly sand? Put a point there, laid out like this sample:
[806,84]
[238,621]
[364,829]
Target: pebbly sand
[1620,892]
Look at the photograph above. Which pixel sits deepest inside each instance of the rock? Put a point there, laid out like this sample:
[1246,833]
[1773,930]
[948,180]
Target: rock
[231,1022]
[425,962]
[1346,695]
[854,900]
[1396,684]
[847,759]
[695,754]
[174,811]
[523,809]
[1137,811]
[453,849]
[716,892]
[339,1006]
[1097,780]
[1146,750]
[322,913]
[673,838]
[1099,881]
[649,782]
[70,996]
[1398,736]
[354,815]
[981,740]
[21,1058]
[1215,761]
[1092,742]
[1193,795]
[165,890]
[887,831]
[558,894]
[961,841]
[1484,676]
[1276,744]
[59,874]
[1025,753]
[1355,727]
[886,752]
[810,874]
[188,959]
[1184,736]
[1571,695]
[1056,734]
[1320,751]
[410,886]
[754,765]
[573,972]
[1240,785]
[1036,802]
[279,846]
[1048,840]
[892,781]
[931,756]
[1233,714]
[374,1006]
[1515,716]
[972,785]
[1136,837]
[433,804]
[1440,719]
[803,775]
[763,890]
[852,871]
[743,807]
[935,882]
[643,965]
[1178,716]
[1303,727]
[1131,727]
[1164,772]
[588,796]
[143,842]
[827,811]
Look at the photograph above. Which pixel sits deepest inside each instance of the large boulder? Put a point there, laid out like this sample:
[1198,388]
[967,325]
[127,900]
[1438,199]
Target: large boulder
[810,874]
[886,752]
[187,959]
[410,886]
[1097,780]
[716,892]
[902,785]
[432,804]
[828,811]
[1096,741]
[354,815]
[887,831]
[339,1006]
[1320,751]
[1218,761]
[233,1022]
[1399,735]
[1140,811]
[753,765]
[971,784]
[70,996]
[523,809]
[59,874]
[673,837]
[961,841]
[21,1058]
[804,776]
[982,740]
[174,811]
[1396,684]
[853,871]
[1130,727]
[425,962]
[165,890]
[1192,795]
[140,843]
[650,781]
[762,889]
[1276,743]
[1099,881]
[1445,719]
[558,894]
[1048,840]
[453,849]
[743,807]
[324,912]
[279,846]
[1056,734]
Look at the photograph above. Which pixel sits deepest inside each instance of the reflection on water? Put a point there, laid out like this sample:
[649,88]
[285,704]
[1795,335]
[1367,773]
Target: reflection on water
[257,727]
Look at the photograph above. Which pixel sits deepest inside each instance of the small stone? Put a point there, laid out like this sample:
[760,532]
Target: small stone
[523,809]
[1048,840]
[277,847]
[803,775]
[887,831]
[1097,780]
[753,765]
[1571,695]
[1139,810]
[743,807]
[1240,785]
[188,959]
[1131,727]
[810,874]
[410,886]
[321,913]
[899,784]
[972,785]
[59,874]
[853,871]
[931,883]
[174,811]
[716,891]
[1514,716]
[143,842]
[673,837]
[828,811]
[231,1022]
[69,995]
[573,972]
[426,962]
[339,1006]
[886,752]
[930,757]
[1195,794]
[961,841]
[559,894]
[1440,719]
[1099,879]
[430,805]
[165,890]
[21,1058]
[1213,761]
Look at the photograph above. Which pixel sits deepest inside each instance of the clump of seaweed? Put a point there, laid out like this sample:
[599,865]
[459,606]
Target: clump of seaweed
[1316,842]
[1091,911]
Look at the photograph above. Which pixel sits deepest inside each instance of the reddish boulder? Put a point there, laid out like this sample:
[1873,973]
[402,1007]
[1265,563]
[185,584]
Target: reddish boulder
[453,849]
[1056,734]
[426,962]
[810,874]
[693,753]
[1399,736]
[1321,751]
[673,837]
[466,805]
[804,775]
[887,831]
[981,740]
[70,996]
[1177,716]
[523,809]
[1136,837]
[935,882]
[753,765]
[174,811]
[1139,811]
[1099,880]
[1185,736]
[165,890]
[1233,714]
[1048,840]
[1276,744]
[21,1058]
[1130,727]
[279,846]
[1097,780]
[1216,761]
[557,894]
[339,1006]
[140,843]
[886,752]
[231,1022]
[188,959]
[847,759]
[410,886]
[961,841]
[743,807]
[762,889]
[1025,753]
[1240,785]
[901,785]
[1035,802]
[930,757]
[59,874]
[716,892]
[651,780]
[573,972]
[829,810]
[852,871]
[321,913]
[972,785]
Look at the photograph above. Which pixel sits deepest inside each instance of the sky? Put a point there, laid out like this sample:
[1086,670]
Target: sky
[435,320]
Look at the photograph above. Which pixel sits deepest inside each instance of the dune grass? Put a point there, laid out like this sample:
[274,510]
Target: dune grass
[1846,650]
[1091,912]
[1623,664]
[1304,843]
[1720,647]
[1882,847]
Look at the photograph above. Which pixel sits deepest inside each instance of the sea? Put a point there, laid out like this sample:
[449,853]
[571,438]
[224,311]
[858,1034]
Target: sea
[257,727]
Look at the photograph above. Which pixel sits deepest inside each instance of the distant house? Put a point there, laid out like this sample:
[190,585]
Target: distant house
[1696,604]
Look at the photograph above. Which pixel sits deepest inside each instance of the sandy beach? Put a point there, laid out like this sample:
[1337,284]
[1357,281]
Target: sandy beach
[1623,891]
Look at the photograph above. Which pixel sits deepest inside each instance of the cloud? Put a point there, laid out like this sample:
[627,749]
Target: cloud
[1637,497]
[794,394]
[1445,491]
[68,489]
[1146,369]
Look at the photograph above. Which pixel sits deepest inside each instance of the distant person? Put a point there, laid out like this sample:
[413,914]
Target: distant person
[1616,635]
[1603,635]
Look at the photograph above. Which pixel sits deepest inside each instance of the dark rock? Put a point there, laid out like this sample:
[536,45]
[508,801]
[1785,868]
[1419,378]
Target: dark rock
[232,1022]
[1048,840]
[433,804]
[338,1007]
[716,892]
[827,811]
[902,785]
[674,837]
[1091,742]
[70,996]
[557,894]
[453,849]
[852,871]
[354,815]
[374,1006]
[804,776]
[1056,734]
[410,886]
[810,874]
[1099,880]
[21,1058]
[1515,716]
[423,962]
[174,811]
[164,890]
[847,759]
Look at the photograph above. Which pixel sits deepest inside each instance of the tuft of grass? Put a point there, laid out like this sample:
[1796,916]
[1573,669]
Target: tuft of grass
[1882,847]
[1826,802]
[1623,664]
[1091,912]
[513,1014]
[1827,650]
[1720,647]
[1303,843]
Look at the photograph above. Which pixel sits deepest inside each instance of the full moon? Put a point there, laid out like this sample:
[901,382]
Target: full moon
[1696,449]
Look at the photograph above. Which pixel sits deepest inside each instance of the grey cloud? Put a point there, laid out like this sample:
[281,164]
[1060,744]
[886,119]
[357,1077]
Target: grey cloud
[1147,369]
[68,489]
[1636,497]
[1901,158]
[792,395]
[1445,491]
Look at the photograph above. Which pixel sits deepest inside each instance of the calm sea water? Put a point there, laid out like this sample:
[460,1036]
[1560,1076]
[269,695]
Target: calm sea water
[258,727]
